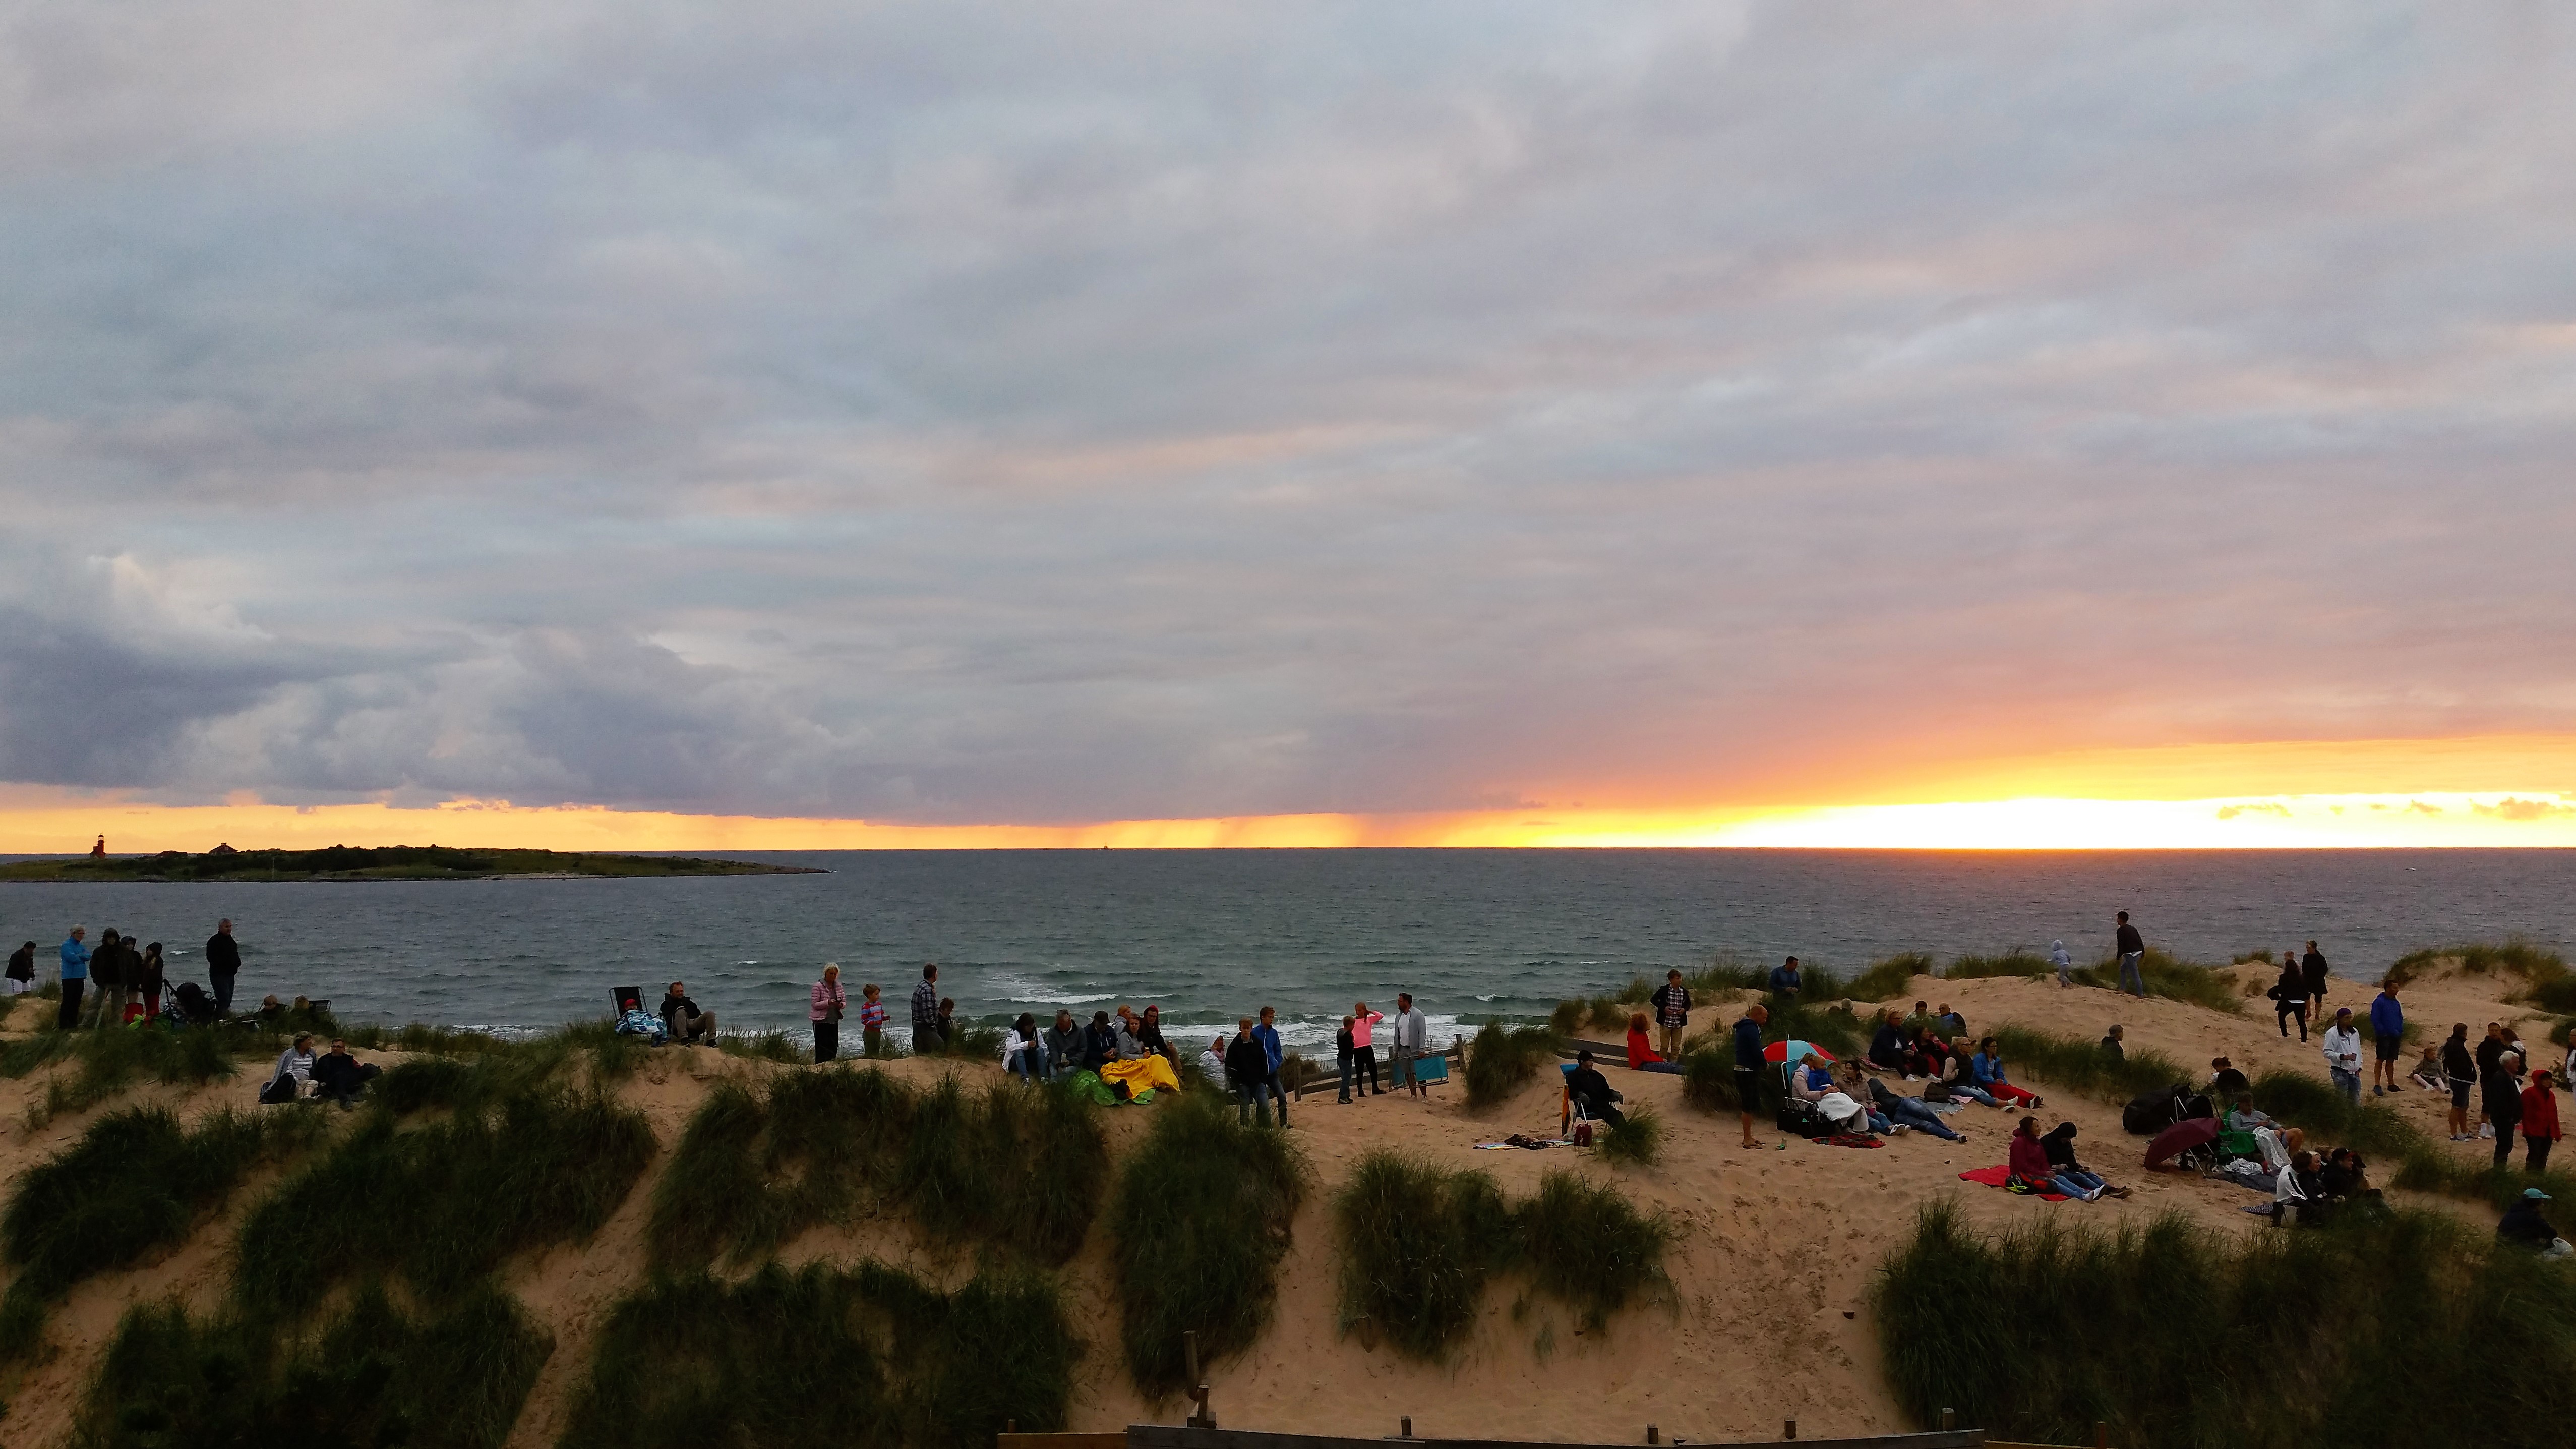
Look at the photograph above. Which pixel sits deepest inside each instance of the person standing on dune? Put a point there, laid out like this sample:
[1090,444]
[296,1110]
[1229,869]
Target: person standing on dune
[1412,1037]
[223,964]
[1672,1013]
[2133,959]
[2312,967]
[1363,1047]
[1748,1066]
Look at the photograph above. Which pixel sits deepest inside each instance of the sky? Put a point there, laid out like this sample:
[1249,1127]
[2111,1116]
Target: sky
[797,424]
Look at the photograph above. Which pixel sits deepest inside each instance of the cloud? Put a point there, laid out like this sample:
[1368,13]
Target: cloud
[2270,807]
[967,412]
[2511,808]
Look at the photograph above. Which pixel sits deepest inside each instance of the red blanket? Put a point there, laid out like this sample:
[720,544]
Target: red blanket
[1998,1175]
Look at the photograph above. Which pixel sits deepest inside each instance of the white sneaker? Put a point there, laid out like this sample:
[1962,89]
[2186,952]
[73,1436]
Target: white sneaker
[1898,1130]
[2486,1131]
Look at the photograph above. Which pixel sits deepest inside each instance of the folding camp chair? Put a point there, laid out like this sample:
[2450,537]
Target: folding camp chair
[628,998]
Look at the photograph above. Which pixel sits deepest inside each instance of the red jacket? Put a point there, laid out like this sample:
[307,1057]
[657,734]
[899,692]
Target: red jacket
[2540,1113]
[2029,1160]
[1638,1052]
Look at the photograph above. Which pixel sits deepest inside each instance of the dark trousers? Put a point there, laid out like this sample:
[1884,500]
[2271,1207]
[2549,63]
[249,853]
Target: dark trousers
[69,1016]
[1345,1063]
[346,1092]
[1364,1059]
[2504,1143]
[827,1040]
[2538,1161]
[223,981]
[2282,1013]
[872,1040]
[1280,1097]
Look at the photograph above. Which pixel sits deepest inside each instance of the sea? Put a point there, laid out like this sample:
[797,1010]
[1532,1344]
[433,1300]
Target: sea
[1475,935]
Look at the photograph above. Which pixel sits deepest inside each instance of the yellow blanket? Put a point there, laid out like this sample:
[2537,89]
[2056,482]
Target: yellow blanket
[1141,1073]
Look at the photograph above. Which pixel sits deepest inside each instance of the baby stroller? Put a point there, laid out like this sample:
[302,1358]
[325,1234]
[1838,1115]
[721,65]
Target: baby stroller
[188,1004]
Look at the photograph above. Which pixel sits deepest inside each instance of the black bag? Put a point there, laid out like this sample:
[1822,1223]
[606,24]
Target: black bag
[1805,1119]
[2148,1115]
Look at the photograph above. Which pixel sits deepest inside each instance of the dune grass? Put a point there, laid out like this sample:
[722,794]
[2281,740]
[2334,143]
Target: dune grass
[2016,962]
[1890,977]
[1015,1168]
[440,1205]
[1199,1222]
[1421,1243]
[2381,1135]
[1503,1059]
[135,1182]
[822,1358]
[2176,1335]
[2074,1064]
[374,1376]
[2547,982]
[1708,1077]
[112,1059]
[1638,1140]
[2175,980]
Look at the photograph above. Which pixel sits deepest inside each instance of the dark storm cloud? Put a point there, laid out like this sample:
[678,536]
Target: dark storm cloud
[958,412]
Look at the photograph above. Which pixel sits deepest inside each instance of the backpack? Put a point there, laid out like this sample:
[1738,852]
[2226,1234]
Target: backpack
[1936,1091]
[2148,1115]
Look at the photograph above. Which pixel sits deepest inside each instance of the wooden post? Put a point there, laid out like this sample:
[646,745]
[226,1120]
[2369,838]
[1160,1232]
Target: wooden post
[1650,1435]
[1949,1420]
[2101,1435]
[1407,1431]
[1788,1428]
[1199,1389]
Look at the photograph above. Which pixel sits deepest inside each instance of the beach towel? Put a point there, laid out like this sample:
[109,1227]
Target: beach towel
[1847,1139]
[1517,1140]
[1141,1075]
[1998,1175]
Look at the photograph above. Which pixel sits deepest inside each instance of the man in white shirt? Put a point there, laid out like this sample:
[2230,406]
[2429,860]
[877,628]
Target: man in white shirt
[2343,1055]
[1412,1036]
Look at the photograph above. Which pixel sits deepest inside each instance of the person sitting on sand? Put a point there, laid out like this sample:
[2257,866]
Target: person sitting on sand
[2059,1144]
[1129,1047]
[1642,1057]
[1023,1053]
[2295,1193]
[1988,1064]
[1856,1084]
[2225,1082]
[1591,1091]
[2523,1226]
[2026,1157]
[682,1020]
[2112,1051]
[1064,1046]
[1918,1020]
[1907,1112]
[1099,1043]
[1952,1022]
[1887,1044]
[1926,1055]
[1212,1062]
[1809,1082]
[293,1079]
[2345,1177]
[1959,1079]
[2428,1071]
[340,1077]
[1149,1033]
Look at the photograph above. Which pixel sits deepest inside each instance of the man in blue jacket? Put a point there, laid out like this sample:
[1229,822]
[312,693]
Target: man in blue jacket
[2388,1038]
[1268,1036]
[1784,979]
[75,977]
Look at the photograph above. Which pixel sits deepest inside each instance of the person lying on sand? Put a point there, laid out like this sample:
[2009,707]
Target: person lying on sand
[1905,1112]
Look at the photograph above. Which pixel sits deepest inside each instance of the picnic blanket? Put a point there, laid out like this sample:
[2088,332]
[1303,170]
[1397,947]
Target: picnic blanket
[1517,1140]
[1089,1086]
[1998,1175]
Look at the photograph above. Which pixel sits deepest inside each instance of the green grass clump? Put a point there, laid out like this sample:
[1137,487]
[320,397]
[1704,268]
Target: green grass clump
[374,1376]
[1638,1140]
[1503,1059]
[2536,964]
[1835,1028]
[136,1181]
[1708,1077]
[440,1205]
[823,1358]
[1199,1222]
[1589,1246]
[2182,981]
[1421,1243]
[1015,1168]
[2015,962]
[1887,979]
[2155,1329]
[2077,1065]
[112,1059]
[767,1046]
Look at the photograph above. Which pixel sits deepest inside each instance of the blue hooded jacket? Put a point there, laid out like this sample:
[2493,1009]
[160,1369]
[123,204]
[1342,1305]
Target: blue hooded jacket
[75,960]
[2387,1022]
[1269,1040]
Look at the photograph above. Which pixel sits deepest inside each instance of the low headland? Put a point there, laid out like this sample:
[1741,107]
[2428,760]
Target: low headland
[383,862]
[579,1240]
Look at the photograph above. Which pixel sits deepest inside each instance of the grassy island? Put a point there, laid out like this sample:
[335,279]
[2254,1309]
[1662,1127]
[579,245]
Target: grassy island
[385,862]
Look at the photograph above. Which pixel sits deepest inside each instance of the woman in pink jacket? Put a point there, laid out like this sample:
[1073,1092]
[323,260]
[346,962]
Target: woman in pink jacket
[1363,1055]
[828,1004]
